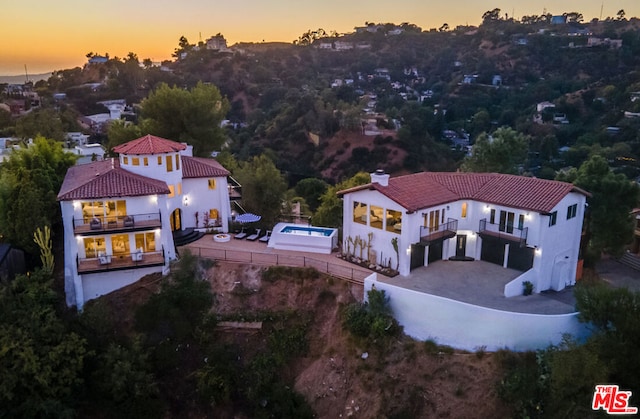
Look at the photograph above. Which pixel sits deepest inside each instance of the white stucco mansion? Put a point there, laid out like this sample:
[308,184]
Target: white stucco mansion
[528,224]
[119,214]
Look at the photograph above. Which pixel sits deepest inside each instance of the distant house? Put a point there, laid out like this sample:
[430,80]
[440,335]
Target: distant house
[527,224]
[343,45]
[558,20]
[98,59]
[470,79]
[635,247]
[217,43]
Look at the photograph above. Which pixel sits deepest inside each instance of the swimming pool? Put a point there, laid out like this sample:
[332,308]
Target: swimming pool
[286,236]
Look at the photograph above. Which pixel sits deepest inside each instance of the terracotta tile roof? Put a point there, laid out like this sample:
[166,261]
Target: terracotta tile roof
[196,167]
[149,144]
[428,189]
[106,179]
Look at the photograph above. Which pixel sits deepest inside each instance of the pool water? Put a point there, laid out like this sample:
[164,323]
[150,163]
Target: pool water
[308,231]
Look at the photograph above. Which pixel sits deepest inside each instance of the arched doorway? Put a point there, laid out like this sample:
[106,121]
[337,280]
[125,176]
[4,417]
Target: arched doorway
[176,220]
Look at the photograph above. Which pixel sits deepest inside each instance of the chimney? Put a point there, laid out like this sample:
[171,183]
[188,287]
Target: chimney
[379,176]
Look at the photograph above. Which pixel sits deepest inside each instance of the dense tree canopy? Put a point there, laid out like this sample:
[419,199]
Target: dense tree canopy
[329,213]
[504,151]
[609,225]
[263,188]
[29,183]
[191,116]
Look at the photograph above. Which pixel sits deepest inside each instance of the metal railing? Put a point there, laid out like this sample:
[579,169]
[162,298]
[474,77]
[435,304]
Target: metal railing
[504,231]
[104,262]
[117,222]
[448,229]
[274,259]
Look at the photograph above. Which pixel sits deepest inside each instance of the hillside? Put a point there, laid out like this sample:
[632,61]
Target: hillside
[407,379]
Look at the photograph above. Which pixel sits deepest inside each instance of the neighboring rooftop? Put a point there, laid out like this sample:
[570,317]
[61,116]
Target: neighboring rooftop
[428,189]
[149,144]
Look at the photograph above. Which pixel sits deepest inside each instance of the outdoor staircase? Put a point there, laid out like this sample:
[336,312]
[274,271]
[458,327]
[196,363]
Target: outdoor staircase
[186,236]
[630,260]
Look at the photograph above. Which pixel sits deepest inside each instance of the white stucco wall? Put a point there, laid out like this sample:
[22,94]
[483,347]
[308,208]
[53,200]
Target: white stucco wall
[95,285]
[469,327]
[201,199]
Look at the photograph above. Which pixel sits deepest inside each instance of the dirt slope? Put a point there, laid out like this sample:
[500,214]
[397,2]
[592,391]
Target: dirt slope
[411,379]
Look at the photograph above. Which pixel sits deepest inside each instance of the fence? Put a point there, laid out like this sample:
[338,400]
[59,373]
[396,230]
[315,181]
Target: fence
[270,259]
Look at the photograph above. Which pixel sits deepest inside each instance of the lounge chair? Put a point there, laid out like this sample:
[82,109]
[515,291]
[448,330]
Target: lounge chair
[266,237]
[254,236]
[241,235]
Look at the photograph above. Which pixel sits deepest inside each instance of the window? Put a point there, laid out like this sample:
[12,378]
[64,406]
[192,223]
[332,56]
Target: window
[103,210]
[135,161]
[169,164]
[521,222]
[432,220]
[553,217]
[464,210]
[212,183]
[93,246]
[177,161]
[506,221]
[492,217]
[572,211]
[172,191]
[375,216]
[159,160]
[146,242]
[125,160]
[213,216]
[179,188]
[394,221]
[120,244]
[359,213]
[145,161]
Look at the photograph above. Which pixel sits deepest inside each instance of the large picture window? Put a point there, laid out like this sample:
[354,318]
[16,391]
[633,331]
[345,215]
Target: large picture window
[120,244]
[359,213]
[394,221]
[103,210]
[146,242]
[94,246]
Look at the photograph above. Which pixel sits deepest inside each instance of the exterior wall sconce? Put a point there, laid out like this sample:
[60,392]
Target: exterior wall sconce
[185,201]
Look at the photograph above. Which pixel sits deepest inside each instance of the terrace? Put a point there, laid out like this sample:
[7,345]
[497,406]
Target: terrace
[114,224]
[105,263]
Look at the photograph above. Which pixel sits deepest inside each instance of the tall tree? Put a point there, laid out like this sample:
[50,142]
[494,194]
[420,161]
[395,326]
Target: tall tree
[263,188]
[192,116]
[329,213]
[609,224]
[501,152]
[120,131]
[29,183]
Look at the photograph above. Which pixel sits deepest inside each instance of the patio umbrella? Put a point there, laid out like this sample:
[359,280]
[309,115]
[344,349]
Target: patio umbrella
[248,218]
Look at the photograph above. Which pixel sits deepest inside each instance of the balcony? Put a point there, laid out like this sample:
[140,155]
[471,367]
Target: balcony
[106,263]
[115,224]
[444,231]
[504,231]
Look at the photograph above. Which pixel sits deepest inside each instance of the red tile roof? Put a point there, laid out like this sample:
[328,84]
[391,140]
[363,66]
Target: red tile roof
[428,189]
[105,179]
[197,167]
[149,144]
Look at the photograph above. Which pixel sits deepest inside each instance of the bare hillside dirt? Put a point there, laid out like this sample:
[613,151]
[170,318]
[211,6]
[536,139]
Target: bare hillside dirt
[409,379]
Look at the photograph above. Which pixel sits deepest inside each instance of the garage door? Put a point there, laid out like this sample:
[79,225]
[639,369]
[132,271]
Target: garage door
[492,250]
[520,258]
[435,251]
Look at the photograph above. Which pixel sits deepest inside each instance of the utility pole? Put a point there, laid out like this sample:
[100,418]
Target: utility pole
[26,73]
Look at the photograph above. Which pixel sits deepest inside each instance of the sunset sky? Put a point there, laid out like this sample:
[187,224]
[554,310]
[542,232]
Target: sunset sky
[50,35]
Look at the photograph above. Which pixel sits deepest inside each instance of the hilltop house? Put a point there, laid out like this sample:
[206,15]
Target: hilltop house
[528,224]
[119,214]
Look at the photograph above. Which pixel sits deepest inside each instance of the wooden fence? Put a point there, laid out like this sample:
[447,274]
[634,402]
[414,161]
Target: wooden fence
[270,259]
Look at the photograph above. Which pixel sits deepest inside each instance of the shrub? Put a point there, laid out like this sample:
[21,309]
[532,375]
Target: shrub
[527,288]
[372,319]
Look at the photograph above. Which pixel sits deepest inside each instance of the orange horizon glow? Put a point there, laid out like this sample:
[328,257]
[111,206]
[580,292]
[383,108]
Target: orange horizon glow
[48,36]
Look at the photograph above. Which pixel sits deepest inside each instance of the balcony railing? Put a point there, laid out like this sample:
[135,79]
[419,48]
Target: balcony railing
[442,231]
[104,263]
[504,231]
[114,223]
